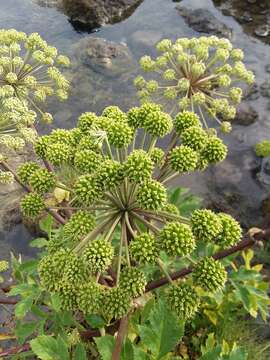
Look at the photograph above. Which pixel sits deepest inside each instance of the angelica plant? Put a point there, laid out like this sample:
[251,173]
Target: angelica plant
[199,74]
[116,215]
[29,73]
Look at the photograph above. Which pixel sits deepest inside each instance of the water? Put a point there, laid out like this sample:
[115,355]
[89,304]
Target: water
[232,186]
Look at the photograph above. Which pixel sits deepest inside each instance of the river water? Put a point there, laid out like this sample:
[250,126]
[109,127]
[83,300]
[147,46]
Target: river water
[232,186]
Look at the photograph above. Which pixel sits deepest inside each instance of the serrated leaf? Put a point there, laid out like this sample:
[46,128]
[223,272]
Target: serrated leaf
[23,307]
[39,243]
[105,345]
[163,332]
[22,331]
[48,348]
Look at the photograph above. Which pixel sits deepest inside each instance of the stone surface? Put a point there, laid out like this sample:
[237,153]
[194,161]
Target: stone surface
[246,115]
[94,13]
[202,20]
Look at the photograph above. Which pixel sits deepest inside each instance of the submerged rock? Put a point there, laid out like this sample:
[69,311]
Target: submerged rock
[94,13]
[246,115]
[202,20]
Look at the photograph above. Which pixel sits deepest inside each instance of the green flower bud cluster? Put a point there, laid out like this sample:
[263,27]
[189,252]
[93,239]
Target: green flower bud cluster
[262,149]
[6,177]
[132,281]
[177,239]
[144,249]
[80,224]
[30,66]
[151,195]
[3,265]
[26,170]
[183,299]
[209,274]
[138,166]
[98,255]
[32,205]
[115,303]
[213,66]
[42,181]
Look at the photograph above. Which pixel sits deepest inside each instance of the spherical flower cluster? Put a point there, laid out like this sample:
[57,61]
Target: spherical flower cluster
[87,161]
[58,153]
[86,121]
[89,297]
[151,195]
[177,239]
[194,73]
[132,281]
[194,137]
[3,265]
[231,231]
[26,170]
[80,224]
[157,156]
[158,123]
[42,181]
[184,120]
[215,150]
[110,174]
[98,255]
[138,166]
[206,225]
[262,149]
[116,303]
[30,66]
[144,249]
[32,205]
[6,177]
[183,299]
[209,274]
[87,189]
[183,159]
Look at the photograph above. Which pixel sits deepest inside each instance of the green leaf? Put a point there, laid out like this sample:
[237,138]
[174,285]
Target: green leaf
[56,302]
[39,243]
[29,266]
[95,321]
[46,225]
[80,353]
[163,332]
[23,307]
[127,352]
[237,354]
[105,345]
[48,348]
[22,331]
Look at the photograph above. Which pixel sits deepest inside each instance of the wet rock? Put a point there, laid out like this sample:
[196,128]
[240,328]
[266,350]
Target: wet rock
[265,88]
[94,13]
[262,30]
[202,20]
[102,74]
[245,115]
[105,57]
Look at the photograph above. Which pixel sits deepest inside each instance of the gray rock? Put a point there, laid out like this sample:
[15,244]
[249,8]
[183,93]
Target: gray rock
[245,115]
[202,20]
[104,57]
[262,30]
[265,88]
[94,13]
